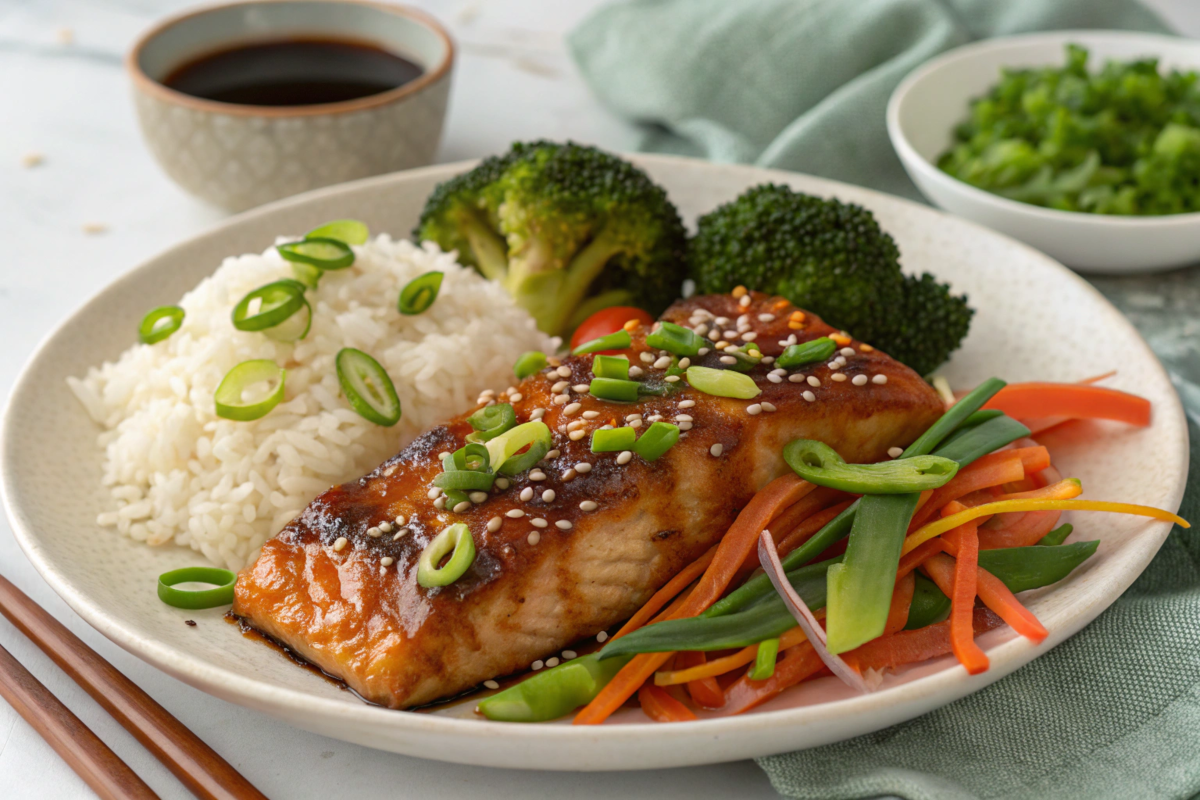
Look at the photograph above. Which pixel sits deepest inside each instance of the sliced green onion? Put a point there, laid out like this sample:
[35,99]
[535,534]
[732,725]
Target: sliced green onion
[764,660]
[612,389]
[276,302]
[817,462]
[504,448]
[613,341]
[307,274]
[464,480]
[454,541]
[613,440]
[529,364]
[350,231]
[367,387]
[657,440]
[160,323]
[454,497]
[294,328]
[221,593]
[723,383]
[320,252]
[675,339]
[228,397]
[748,356]
[491,421]
[797,355]
[419,293]
[615,367]
[473,457]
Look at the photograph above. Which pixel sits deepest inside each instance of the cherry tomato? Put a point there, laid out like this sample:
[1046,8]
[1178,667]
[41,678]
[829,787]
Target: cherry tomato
[606,321]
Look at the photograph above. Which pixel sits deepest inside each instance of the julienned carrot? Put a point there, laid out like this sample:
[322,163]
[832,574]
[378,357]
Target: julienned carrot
[787,520]
[720,666]
[738,541]
[661,707]
[705,691]
[940,526]
[664,595]
[907,647]
[993,469]
[802,532]
[910,561]
[1038,400]
[961,591]
[798,663]
[994,594]
[902,597]
[1040,424]
[1025,532]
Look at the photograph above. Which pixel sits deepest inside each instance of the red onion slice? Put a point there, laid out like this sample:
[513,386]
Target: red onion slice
[769,559]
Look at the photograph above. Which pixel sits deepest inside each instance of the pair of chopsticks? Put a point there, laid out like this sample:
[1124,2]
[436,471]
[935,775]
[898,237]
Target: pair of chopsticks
[202,771]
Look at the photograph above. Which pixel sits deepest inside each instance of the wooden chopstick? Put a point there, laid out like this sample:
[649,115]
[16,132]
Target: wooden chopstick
[198,766]
[100,767]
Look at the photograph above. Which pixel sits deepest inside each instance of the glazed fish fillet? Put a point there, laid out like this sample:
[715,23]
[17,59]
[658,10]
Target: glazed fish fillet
[599,532]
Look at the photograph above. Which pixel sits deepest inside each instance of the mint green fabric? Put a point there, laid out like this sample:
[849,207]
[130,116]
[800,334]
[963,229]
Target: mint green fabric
[1113,712]
[795,84]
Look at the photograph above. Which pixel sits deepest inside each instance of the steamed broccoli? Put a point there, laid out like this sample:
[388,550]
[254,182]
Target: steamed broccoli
[566,229]
[833,259]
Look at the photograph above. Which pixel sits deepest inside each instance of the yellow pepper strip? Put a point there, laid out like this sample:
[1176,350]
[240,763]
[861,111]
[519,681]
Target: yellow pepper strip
[720,666]
[938,527]
[1065,489]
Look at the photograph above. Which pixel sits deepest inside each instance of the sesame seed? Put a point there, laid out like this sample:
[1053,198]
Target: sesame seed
[591,414]
[766,317]
[535,666]
[374,533]
[514,513]
[401,534]
[516,397]
[728,360]
[400,521]
[895,452]
[551,662]
[632,417]
[721,345]
[341,543]
[487,393]
[768,359]
[491,684]
[879,379]
[714,334]
[637,423]
[387,561]
[717,449]
[663,362]
[687,403]
[564,371]
[478,497]
[624,457]
[814,381]
[703,351]
[502,483]
[721,321]
[537,413]
[538,522]
[433,493]
[575,436]
[749,337]
[569,654]
[768,407]
[797,378]
[537,475]
[753,409]
[461,507]
[385,526]
[511,390]
[654,418]
[494,524]
[773,378]
[838,376]
[636,371]
[560,399]
[580,388]
[730,335]
[556,453]
[846,351]
[588,505]
[526,494]
[568,475]
[809,396]
[859,380]
[534,537]
[548,496]
[440,503]
[745,301]
[684,363]
[572,409]
[683,417]
[558,387]
[701,328]
[647,358]
[563,525]
[583,467]
[671,378]
[575,425]
[685,426]
[601,637]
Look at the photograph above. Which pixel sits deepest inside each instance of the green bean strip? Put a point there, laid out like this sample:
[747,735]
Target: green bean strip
[954,417]
[764,660]
[1056,536]
[928,606]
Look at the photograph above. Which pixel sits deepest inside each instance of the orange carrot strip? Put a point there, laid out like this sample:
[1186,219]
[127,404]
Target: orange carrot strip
[720,666]
[1077,401]
[797,664]
[664,595]
[961,591]
[661,707]
[705,692]
[1025,532]
[907,647]
[787,520]
[916,558]
[994,594]
[993,469]
[901,601]
[738,541]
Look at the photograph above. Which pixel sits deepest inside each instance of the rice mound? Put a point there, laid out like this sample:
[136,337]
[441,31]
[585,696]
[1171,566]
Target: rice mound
[178,473]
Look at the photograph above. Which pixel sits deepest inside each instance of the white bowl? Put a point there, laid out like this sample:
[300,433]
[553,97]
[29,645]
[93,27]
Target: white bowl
[934,98]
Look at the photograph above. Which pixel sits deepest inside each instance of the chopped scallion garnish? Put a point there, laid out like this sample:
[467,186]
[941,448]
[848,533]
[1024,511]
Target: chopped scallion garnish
[454,541]
[675,339]
[350,231]
[367,387]
[160,323]
[221,593]
[491,421]
[529,364]
[613,440]
[229,397]
[613,341]
[505,448]
[320,252]
[294,328]
[268,306]
[613,389]
[615,367]
[419,293]
[723,383]
[657,440]
[797,355]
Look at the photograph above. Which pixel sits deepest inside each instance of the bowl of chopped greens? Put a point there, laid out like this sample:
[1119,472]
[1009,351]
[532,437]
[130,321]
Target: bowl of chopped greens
[1084,144]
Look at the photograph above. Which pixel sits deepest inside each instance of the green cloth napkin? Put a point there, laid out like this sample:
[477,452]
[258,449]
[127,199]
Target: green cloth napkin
[1113,712]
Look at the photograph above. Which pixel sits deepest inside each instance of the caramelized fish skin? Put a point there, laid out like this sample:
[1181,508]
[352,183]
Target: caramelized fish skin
[532,591]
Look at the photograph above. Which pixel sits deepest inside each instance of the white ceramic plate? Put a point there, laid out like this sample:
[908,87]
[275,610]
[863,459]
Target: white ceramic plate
[925,108]
[1036,320]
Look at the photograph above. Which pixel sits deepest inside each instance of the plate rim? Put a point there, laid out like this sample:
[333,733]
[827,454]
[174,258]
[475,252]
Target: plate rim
[892,708]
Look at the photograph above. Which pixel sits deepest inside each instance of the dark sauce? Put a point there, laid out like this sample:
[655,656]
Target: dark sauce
[293,72]
[297,659]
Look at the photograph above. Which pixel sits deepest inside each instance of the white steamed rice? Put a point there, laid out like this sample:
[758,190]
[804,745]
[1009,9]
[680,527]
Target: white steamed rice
[178,473]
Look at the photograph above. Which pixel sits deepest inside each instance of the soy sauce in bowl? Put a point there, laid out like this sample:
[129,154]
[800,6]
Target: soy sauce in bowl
[293,72]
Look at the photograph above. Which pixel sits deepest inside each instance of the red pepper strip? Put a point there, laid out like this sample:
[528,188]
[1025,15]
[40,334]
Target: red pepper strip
[907,647]
[664,595]
[994,594]
[993,469]
[961,591]
[901,601]
[659,706]
[738,541]
[1034,400]
[910,561]
[705,692]
[1025,532]
[798,663]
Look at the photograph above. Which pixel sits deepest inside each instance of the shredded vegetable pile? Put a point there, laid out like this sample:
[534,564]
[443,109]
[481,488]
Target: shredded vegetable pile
[1125,140]
[865,568]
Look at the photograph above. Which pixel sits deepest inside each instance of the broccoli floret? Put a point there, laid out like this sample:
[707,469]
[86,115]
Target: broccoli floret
[567,229]
[833,259]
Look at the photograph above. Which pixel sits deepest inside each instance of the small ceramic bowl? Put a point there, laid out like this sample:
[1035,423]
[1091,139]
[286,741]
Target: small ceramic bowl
[238,156]
[934,98]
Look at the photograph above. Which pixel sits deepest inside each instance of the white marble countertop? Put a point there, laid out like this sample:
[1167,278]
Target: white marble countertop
[96,205]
